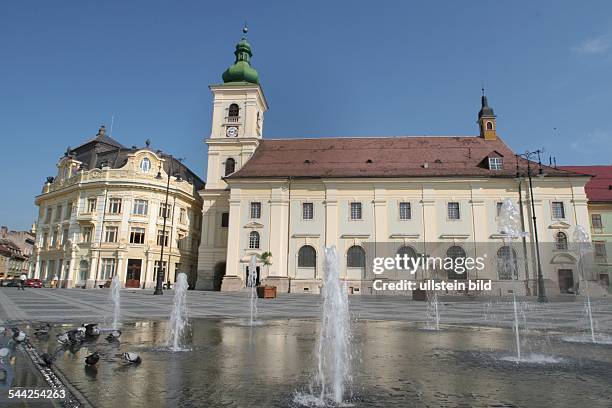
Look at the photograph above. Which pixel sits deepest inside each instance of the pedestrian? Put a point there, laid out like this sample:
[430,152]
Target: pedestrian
[55,282]
[22,281]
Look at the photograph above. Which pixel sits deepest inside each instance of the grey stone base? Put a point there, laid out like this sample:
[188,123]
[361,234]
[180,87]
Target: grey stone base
[205,280]
[231,284]
[305,286]
[90,284]
[281,283]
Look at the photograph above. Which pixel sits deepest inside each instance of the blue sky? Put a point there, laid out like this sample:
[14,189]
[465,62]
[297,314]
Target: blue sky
[328,68]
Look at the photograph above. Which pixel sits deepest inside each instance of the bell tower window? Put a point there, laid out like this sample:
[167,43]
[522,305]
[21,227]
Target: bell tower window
[233,111]
[489,126]
[230,166]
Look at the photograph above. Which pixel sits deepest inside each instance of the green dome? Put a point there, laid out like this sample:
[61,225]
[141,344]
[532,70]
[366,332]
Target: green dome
[242,71]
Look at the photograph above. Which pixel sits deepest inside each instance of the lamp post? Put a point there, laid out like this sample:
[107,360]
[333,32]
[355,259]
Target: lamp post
[528,156]
[159,279]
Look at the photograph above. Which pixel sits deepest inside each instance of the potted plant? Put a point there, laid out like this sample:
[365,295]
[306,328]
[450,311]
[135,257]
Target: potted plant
[266,291]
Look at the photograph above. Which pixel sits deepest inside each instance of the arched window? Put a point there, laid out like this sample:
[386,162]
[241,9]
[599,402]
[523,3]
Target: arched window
[254,240]
[406,250]
[355,257]
[457,254]
[507,266]
[307,257]
[145,165]
[233,112]
[561,241]
[230,166]
[489,125]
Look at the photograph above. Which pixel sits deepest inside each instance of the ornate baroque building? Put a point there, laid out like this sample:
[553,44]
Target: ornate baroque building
[419,195]
[103,215]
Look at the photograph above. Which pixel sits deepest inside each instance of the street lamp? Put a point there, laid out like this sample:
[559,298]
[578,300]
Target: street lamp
[159,279]
[528,156]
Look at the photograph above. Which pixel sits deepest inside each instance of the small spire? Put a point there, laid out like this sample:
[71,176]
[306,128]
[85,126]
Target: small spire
[245,29]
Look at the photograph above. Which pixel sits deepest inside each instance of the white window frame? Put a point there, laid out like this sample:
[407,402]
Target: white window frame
[252,243]
[305,215]
[399,209]
[552,210]
[92,203]
[353,210]
[140,207]
[138,230]
[496,163]
[111,231]
[114,205]
[107,268]
[255,209]
[448,211]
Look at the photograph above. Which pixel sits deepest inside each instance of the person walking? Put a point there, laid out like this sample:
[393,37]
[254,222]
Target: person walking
[22,281]
[55,282]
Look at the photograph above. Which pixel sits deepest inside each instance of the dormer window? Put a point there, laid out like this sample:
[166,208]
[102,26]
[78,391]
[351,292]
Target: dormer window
[145,165]
[495,163]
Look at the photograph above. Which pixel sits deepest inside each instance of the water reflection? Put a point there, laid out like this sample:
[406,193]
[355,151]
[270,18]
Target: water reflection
[396,364]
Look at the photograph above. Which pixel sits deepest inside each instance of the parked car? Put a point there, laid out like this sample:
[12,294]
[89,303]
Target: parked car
[10,282]
[34,283]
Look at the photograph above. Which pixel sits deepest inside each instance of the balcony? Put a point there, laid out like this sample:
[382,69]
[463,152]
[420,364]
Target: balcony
[232,119]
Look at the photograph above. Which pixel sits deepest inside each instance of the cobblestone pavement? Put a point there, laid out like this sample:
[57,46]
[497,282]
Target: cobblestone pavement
[78,305]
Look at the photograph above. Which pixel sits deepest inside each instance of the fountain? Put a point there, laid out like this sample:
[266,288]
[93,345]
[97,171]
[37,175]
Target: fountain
[178,319]
[115,297]
[333,376]
[516,330]
[252,282]
[582,246]
[433,313]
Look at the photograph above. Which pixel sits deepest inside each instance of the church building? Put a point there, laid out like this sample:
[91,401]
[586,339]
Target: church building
[420,195]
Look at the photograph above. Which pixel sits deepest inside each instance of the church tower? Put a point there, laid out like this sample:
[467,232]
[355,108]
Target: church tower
[237,119]
[486,120]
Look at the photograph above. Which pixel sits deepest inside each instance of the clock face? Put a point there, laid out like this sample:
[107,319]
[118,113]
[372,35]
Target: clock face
[231,131]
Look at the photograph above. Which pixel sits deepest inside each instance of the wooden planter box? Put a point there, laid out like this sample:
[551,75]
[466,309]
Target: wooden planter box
[266,292]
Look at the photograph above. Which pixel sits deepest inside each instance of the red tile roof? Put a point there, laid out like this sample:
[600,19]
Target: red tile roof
[405,156]
[599,188]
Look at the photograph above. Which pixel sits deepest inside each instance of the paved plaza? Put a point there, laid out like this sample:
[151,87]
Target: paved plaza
[78,305]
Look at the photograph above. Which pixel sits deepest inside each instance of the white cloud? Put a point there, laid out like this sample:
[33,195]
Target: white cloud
[594,45]
[597,141]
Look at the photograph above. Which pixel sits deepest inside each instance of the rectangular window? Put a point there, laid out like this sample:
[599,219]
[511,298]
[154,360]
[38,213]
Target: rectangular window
[54,239]
[108,268]
[91,204]
[114,206]
[58,213]
[558,210]
[600,249]
[68,211]
[65,236]
[45,239]
[141,207]
[405,212]
[356,211]
[110,234]
[182,216]
[162,239]
[255,210]
[453,211]
[596,221]
[164,210]
[307,211]
[86,235]
[137,235]
[48,215]
[225,220]
[495,163]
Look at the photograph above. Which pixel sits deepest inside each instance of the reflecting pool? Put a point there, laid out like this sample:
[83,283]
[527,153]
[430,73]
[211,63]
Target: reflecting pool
[394,364]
